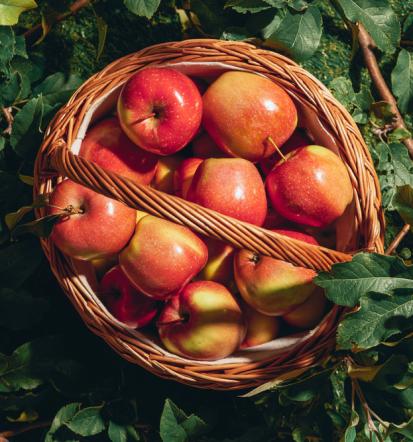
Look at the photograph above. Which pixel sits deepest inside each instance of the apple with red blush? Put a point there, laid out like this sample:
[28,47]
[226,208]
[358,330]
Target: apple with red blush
[260,328]
[184,174]
[309,313]
[203,146]
[125,303]
[164,179]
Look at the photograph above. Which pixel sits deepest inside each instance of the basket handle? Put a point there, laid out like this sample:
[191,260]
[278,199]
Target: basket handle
[200,219]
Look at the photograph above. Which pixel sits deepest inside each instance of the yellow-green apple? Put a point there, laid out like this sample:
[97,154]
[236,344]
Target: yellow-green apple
[184,174]
[162,257]
[164,179]
[309,313]
[311,186]
[126,304]
[203,146]
[272,286]
[260,328]
[219,267]
[203,321]
[231,186]
[298,139]
[160,110]
[107,145]
[92,225]
[247,114]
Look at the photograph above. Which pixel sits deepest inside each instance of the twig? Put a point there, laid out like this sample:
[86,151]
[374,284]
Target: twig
[73,9]
[12,433]
[396,241]
[367,46]
[7,112]
[406,42]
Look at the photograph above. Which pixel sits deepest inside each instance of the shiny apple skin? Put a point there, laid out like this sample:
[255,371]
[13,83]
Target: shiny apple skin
[309,313]
[231,186]
[176,102]
[260,328]
[312,187]
[107,146]
[301,236]
[298,139]
[164,179]
[162,257]
[184,175]
[213,325]
[126,304]
[241,110]
[219,267]
[203,146]
[103,229]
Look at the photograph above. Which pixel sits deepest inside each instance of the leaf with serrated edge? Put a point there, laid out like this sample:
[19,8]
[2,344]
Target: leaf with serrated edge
[143,8]
[87,422]
[64,415]
[402,81]
[117,433]
[347,282]
[403,203]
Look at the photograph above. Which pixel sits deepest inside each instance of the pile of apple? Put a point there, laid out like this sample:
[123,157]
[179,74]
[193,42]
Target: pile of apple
[232,146]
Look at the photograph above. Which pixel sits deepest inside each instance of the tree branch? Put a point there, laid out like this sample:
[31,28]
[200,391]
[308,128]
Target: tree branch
[367,47]
[397,240]
[73,9]
[12,433]
[8,116]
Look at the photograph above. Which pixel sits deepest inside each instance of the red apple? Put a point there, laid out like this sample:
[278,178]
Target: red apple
[203,321]
[203,146]
[219,267]
[260,328]
[311,186]
[102,265]
[164,179]
[107,146]
[95,225]
[231,186]
[184,174]
[162,257]
[126,304]
[309,313]
[242,110]
[274,220]
[297,235]
[298,139]
[160,110]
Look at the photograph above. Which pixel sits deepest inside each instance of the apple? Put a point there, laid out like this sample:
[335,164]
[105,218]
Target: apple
[274,220]
[164,179]
[160,110]
[102,265]
[124,302]
[219,267]
[260,328]
[203,321]
[311,186]
[203,146]
[95,226]
[184,174]
[272,286]
[107,146]
[162,257]
[309,313]
[246,114]
[301,236]
[231,186]
[298,139]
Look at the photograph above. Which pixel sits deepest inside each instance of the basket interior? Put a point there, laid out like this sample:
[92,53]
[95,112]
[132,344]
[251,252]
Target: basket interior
[346,236]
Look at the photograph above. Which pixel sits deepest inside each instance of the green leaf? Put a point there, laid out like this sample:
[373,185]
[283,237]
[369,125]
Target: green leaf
[117,433]
[378,18]
[7,47]
[244,6]
[57,88]
[19,310]
[402,81]
[143,8]
[11,219]
[29,366]
[210,16]
[379,317]
[18,261]
[102,28]
[405,429]
[64,415]
[298,33]
[408,27]
[87,422]
[403,203]
[347,282]
[41,227]
[351,433]
[10,10]
[176,426]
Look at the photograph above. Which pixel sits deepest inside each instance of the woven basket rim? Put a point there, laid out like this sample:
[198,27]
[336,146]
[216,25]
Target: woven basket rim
[53,154]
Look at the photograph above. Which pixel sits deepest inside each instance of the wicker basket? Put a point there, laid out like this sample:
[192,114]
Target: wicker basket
[362,226]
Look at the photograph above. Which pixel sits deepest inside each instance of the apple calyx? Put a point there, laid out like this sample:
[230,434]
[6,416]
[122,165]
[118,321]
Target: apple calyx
[278,150]
[255,258]
[146,117]
[181,320]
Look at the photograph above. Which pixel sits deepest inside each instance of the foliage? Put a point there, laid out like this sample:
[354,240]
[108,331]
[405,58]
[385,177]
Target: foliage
[62,383]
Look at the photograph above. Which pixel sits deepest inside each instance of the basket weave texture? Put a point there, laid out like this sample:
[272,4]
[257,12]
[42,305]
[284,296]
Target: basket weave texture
[55,161]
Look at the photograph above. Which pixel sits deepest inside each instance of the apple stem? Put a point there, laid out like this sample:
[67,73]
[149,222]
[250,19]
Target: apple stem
[146,117]
[270,139]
